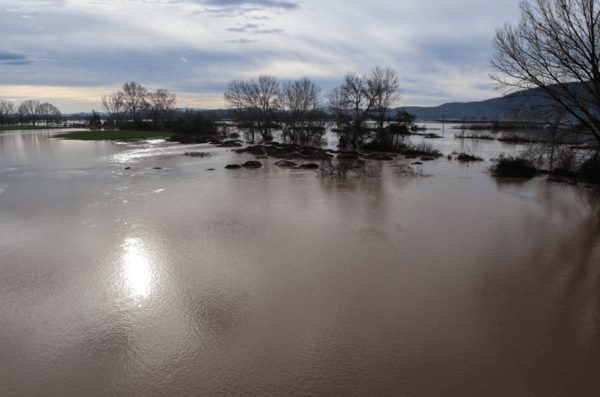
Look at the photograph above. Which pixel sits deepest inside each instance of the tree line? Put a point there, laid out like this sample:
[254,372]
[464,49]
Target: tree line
[133,104]
[358,108]
[28,112]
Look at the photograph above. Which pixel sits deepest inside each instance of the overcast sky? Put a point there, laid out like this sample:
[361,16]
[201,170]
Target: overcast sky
[69,52]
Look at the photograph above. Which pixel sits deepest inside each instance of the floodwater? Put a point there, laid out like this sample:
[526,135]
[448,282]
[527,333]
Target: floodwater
[274,282]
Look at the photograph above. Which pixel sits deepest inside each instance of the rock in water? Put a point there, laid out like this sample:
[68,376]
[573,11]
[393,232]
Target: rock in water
[252,164]
[309,166]
[285,163]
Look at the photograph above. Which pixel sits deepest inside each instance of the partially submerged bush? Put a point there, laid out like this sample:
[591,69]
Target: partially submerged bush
[138,125]
[423,148]
[509,166]
[412,172]
[589,170]
[193,122]
[338,168]
[467,157]
[335,168]
[366,168]
[514,138]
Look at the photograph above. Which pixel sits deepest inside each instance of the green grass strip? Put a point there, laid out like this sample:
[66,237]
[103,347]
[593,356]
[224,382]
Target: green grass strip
[30,127]
[125,135]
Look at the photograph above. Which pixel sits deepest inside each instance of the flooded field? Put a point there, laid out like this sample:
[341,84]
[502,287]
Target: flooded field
[180,281]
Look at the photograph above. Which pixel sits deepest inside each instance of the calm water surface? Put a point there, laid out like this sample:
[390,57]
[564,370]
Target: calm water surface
[273,282]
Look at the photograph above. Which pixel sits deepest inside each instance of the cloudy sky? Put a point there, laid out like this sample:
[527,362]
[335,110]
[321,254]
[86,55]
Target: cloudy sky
[69,52]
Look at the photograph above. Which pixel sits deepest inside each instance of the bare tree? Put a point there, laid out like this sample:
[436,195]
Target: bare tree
[384,84]
[556,49]
[300,101]
[29,110]
[49,112]
[114,105]
[352,104]
[7,109]
[22,113]
[135,99]
[161,106]
[255,104]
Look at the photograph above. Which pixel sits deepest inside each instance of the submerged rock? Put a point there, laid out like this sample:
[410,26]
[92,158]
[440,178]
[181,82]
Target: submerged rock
[308,166]
[252,164]
[285,163]
[379,156]
[233,166]
[230,144]
[427,158]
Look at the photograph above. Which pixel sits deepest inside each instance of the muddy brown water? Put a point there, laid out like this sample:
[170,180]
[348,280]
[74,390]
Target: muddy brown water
[274,282]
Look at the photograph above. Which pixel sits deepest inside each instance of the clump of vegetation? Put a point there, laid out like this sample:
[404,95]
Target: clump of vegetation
[338,168]
[589,170]
[462,135]
[412,172]
[113,135]
[422,148]
[197,154]
[462,156]
[335,168]
[193,122]
[366,168]
[514,138]
[509,166]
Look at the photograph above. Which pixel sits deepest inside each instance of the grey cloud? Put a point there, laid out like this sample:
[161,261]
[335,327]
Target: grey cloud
[16,63]
[269,31]
[261,3]
[244,28]
[8,58]
[242,41]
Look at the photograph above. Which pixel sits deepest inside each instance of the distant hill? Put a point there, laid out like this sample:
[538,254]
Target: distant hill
[495,107]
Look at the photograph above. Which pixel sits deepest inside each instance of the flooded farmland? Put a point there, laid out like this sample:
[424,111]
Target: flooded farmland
[170,279]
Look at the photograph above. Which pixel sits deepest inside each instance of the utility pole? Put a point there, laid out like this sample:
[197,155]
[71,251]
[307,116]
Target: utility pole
[443,123]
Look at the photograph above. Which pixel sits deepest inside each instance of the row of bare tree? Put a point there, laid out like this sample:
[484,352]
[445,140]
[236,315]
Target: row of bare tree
[29,111]
[296,107]
[258,106]
[134,102]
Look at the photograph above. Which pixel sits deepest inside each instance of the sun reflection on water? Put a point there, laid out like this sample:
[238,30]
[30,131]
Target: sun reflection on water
[137,269]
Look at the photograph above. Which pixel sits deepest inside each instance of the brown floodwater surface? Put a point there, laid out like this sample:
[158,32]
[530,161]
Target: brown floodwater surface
[274,282]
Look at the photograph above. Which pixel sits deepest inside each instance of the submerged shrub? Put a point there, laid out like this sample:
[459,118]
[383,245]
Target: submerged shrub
[509,166]
[335,168]
[412,172]
[589,170]
[193,122]
[422,148]
[468,157]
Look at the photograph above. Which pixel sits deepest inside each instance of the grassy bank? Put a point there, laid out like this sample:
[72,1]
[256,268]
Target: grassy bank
[30,127]
[124,135]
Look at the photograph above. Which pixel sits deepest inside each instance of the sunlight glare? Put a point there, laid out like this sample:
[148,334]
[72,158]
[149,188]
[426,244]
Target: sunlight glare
[137,270]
